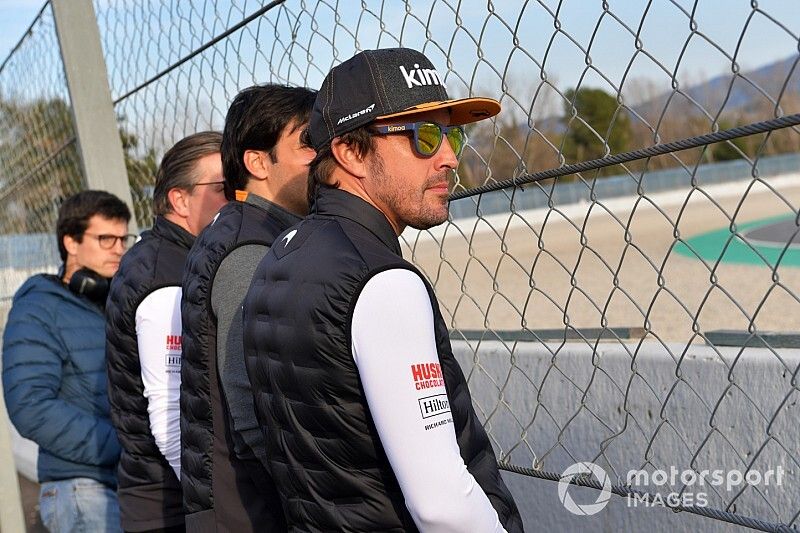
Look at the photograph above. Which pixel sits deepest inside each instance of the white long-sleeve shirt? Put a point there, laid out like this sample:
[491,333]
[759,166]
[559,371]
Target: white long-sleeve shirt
[394,348]
[158,332]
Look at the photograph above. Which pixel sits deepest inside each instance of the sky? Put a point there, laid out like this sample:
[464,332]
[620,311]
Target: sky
[142,45]
[721,20]
[15,17]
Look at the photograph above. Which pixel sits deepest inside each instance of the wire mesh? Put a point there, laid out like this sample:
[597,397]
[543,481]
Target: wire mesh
[39,163]
[594,310]
[582,262]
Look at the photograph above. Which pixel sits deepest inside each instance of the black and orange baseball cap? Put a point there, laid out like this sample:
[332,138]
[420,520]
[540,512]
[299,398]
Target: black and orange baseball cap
[386,83]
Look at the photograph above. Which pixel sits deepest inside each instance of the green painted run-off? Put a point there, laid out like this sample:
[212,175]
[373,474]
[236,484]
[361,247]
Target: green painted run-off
[710,246]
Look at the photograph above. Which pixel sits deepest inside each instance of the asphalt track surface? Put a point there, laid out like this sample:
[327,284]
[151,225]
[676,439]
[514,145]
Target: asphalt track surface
[776,233]
[626,264]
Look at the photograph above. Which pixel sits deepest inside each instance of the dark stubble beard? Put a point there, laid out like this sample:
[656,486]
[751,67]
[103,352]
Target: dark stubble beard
[411,210]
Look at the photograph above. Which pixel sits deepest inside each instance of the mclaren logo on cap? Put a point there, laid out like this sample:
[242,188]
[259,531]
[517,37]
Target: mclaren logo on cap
[351,116]
[420,76]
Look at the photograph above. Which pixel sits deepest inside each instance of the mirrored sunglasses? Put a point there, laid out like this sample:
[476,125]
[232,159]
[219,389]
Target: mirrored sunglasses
[428,136]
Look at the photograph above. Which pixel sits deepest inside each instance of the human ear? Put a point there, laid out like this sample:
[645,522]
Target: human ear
[255,161]
[179,201]
[349,158]
[70,244]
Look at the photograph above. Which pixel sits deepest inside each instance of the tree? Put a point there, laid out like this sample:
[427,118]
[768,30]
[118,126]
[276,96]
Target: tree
[40,165]
[729,150]
[507,148]
[141,176]
[601,126]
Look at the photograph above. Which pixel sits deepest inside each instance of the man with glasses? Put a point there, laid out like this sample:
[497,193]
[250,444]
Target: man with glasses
[54,378]
[107,241]
[143,328]
[368,418]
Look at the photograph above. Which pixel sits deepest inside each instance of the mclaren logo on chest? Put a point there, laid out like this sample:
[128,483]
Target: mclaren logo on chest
[288,237]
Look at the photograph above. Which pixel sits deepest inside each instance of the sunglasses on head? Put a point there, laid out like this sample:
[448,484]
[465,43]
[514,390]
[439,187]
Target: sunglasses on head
[428,136]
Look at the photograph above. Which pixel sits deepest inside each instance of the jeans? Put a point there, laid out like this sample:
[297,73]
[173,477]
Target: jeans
[78,504]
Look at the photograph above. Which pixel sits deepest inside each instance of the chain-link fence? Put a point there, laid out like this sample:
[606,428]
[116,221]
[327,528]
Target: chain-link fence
[39,163]
[601,304]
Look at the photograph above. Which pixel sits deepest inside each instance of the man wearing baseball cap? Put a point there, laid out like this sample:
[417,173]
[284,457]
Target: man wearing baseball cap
[368,418]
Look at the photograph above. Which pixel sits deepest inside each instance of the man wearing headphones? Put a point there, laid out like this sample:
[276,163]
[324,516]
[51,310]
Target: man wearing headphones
[54,376]
[143,328]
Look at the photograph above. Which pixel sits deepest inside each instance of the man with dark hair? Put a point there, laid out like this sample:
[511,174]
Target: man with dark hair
[54,378]
[144,335]
[226,486]
[369,421]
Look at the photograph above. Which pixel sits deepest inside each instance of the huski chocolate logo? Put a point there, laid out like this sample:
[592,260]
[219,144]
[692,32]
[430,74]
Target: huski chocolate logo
[173,343]
[427,375]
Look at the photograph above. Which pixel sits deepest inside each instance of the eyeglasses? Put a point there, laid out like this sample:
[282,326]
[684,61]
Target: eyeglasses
[428,136]
[219,187]
[107,241]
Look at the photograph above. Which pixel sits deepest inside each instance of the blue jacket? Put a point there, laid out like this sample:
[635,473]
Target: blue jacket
[54,381]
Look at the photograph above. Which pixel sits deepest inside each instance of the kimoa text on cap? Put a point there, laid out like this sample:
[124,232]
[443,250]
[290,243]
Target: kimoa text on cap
[421,76]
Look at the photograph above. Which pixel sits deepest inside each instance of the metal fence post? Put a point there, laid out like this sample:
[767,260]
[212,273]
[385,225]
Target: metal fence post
[11,515]
[93,110]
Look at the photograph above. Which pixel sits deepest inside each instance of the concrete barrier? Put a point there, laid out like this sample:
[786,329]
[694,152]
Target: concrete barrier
[645,406]
[629,407]
[11,514]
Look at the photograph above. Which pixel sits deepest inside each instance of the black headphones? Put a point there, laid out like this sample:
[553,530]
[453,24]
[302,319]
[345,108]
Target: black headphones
[86,282]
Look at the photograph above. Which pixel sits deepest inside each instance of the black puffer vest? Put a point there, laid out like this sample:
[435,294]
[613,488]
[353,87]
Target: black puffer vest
[222,490]
[324,451]
[149,491]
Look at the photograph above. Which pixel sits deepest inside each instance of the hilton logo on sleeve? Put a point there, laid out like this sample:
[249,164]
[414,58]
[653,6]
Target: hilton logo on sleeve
[435,405]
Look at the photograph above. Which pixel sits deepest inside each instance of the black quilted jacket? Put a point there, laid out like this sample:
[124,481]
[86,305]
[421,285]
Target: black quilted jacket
[324,451]
[149,491]
[225,485]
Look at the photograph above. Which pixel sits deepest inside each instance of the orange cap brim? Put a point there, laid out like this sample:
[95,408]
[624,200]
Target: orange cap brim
[462,111]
